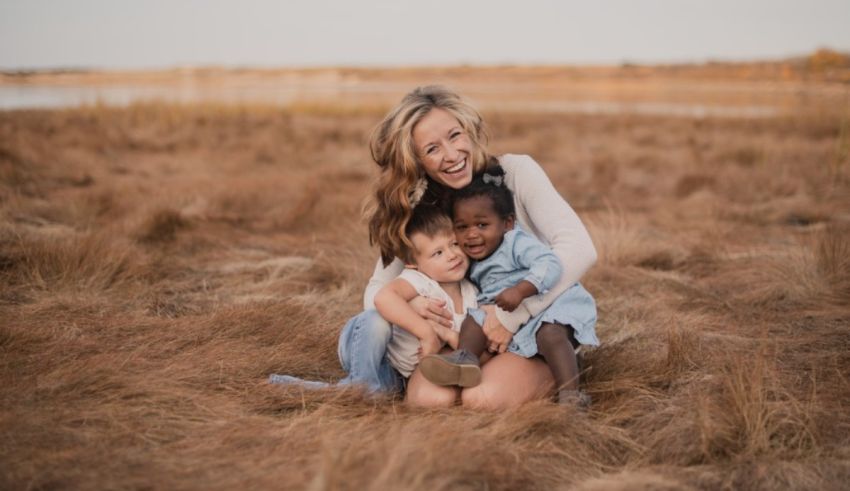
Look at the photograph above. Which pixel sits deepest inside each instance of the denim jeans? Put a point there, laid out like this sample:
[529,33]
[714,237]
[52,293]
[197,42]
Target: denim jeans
[363,353]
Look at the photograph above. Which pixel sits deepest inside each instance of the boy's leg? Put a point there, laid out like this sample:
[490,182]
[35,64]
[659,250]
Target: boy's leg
[362,353]
[555,343]
[422,393]
[462,366]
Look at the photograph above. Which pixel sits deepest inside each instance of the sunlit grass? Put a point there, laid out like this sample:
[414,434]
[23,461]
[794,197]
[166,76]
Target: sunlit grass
[158,261]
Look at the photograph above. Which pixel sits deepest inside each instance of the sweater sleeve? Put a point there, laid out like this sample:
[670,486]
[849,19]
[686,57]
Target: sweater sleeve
[554,222]
[380,277]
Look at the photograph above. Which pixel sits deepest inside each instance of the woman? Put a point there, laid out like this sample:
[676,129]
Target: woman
[435,135]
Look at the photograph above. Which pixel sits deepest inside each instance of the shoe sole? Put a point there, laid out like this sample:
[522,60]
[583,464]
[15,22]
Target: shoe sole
[440,372]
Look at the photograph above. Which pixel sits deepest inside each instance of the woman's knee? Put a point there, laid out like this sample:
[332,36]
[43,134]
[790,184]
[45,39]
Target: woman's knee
[493,396]
[364,337]
[372,328]
[480,397]
[508,381]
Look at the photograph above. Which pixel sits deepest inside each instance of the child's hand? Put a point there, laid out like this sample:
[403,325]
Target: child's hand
[430,345]
[446,335]
[510,298]
[432,310]
[498,338]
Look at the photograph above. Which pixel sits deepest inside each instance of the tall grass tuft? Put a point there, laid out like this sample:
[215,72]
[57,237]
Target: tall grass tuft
[833,260]
[162,226]
[86,261]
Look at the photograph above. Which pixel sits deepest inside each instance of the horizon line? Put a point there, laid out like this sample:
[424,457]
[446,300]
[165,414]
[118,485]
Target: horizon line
[12,70]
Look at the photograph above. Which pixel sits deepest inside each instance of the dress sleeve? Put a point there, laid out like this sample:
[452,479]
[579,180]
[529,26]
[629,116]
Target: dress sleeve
[544,268]
[554,222]
[380,277]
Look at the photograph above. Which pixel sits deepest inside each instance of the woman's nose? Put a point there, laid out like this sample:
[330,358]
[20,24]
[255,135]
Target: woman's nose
[450,153]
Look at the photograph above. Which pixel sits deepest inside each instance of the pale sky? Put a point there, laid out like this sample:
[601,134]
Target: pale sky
[265,33]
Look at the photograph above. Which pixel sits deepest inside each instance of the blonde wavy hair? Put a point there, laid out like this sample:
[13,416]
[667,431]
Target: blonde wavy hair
[388,209]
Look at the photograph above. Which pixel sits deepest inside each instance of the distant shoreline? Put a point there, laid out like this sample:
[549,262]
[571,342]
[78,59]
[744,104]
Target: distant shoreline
[834,57]
[724,89]
[824,65]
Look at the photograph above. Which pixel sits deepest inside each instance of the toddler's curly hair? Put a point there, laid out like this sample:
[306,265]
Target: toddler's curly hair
[491,184]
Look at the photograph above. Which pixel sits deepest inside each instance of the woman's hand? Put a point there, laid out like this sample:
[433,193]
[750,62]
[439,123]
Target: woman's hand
[432,310]
[498,338]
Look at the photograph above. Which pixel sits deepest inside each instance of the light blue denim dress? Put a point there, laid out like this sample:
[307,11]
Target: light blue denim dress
[522,257]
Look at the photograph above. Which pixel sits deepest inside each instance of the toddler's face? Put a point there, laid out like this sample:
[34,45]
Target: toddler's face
[440,257]
[478,228]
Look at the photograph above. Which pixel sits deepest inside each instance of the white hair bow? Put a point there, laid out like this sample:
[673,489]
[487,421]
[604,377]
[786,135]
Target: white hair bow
[491,179]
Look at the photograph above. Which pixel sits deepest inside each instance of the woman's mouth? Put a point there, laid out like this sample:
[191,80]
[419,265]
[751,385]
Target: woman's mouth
[459,167]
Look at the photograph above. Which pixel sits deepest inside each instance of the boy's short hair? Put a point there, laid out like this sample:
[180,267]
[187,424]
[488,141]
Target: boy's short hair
[428,220]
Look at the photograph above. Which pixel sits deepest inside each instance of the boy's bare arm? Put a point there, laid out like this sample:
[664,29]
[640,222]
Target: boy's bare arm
[452,338]
[510,298]
[392,303]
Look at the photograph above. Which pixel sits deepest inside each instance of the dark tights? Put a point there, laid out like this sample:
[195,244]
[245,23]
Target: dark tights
[472,337]
[555,343]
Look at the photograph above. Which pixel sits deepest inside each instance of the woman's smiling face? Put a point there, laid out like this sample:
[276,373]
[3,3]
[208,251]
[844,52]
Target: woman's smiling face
[443,149]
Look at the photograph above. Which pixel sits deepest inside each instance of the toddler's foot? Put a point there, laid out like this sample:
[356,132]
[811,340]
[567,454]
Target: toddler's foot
[460,367]
[290,380]
[572,397]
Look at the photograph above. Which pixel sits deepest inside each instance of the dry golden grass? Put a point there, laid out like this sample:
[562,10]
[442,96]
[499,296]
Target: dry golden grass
[158,262]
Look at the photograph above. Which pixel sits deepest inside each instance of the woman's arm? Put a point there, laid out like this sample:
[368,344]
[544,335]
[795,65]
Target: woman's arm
[380,277]
[545,213]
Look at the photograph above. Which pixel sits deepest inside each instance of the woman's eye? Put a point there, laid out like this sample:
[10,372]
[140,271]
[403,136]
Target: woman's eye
[430,150]
[455,135]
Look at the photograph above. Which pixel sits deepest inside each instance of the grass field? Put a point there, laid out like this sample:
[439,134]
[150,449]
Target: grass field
[158,261]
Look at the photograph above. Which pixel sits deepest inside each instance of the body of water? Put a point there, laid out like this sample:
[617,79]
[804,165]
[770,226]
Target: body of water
[14,97]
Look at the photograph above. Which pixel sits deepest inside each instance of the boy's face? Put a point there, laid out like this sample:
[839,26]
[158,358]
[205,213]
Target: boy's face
[478,227]
[440,257]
